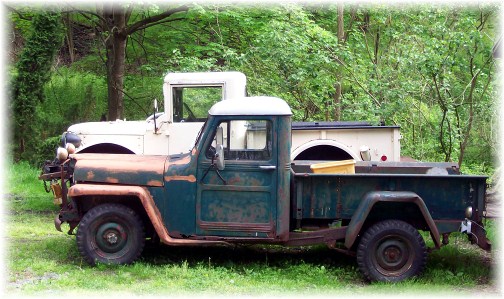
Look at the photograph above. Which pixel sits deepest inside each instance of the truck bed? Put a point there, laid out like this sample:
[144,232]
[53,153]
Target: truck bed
[331,197]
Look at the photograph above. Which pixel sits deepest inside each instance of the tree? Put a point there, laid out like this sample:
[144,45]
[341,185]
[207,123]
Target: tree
[339,83]
[33,71]
[427,68]
[115,25]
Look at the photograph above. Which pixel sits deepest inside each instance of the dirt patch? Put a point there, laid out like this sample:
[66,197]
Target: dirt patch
[28,277]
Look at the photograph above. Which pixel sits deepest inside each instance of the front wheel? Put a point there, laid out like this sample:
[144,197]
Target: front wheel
[391,250]
[111,234]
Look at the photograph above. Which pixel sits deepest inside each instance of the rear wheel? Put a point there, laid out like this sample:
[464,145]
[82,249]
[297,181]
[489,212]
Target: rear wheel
[391,250]
[111,234]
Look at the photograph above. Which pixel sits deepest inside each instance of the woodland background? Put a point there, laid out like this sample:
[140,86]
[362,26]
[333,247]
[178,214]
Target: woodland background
[432,69]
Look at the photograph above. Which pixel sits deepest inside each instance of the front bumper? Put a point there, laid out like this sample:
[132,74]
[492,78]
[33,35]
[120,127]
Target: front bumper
[59,175]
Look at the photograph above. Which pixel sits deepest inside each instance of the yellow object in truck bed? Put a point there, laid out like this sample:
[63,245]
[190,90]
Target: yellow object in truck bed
[341,167]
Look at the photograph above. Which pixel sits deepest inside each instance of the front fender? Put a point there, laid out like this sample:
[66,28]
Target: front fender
[143,194]
[371,198]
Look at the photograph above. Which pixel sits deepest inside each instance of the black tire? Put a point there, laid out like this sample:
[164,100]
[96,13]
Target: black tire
[391,250]
[110,234]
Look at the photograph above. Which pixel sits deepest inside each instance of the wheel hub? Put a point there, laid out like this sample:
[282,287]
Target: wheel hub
[111,237]
[393,256]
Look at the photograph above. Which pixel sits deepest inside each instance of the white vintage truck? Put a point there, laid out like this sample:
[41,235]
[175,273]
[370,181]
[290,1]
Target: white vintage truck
[187,99]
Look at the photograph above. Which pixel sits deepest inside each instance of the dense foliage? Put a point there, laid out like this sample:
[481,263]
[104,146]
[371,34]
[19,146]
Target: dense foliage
[33,71]
[427,68]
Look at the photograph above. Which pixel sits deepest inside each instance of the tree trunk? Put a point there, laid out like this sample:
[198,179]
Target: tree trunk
[339,76]
[116,53]
[115,59]
[115,31]
[69,37]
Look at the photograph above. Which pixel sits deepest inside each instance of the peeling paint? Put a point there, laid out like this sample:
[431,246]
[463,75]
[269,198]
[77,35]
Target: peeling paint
[182,161]
[121,163]
[111,180]
[155,183]
[188,178]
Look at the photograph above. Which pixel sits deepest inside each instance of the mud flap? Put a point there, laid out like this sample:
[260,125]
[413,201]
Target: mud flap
[57,223]
[476,234]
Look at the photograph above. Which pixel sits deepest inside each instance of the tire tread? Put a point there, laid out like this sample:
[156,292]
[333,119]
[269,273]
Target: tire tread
[101,210]
[379,228]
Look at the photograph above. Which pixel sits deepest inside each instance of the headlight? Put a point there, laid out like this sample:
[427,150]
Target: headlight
[70,148]
[61,154]
[469,212]
[72,138]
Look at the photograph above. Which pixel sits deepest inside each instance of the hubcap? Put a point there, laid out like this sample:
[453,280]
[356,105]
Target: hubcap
[393,256]
[111,237]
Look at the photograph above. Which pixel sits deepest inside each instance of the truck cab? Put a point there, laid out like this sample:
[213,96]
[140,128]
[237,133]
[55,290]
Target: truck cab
[187,98]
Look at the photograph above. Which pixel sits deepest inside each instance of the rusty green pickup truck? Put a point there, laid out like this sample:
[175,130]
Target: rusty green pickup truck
[238,185]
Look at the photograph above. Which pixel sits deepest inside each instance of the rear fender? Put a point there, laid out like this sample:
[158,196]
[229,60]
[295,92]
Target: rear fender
[371,198]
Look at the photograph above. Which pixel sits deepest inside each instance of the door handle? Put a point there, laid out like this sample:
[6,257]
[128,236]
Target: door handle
[267,167]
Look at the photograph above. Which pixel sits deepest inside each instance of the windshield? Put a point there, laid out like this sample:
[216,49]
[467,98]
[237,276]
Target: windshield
[191,103]
[200,133]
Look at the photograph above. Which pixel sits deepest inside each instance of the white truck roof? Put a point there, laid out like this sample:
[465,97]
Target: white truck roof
[251,106]
[233,84]
[205,78]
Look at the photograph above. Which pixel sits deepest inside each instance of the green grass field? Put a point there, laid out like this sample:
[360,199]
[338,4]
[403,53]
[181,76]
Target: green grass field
[41,260]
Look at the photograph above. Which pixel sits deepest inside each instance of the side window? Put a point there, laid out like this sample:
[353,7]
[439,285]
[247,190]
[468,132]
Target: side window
[191,104]
[244,140]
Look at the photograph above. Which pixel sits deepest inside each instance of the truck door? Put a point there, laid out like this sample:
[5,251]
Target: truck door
[240,199]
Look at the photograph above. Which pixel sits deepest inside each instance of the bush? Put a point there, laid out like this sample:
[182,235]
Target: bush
[46,150]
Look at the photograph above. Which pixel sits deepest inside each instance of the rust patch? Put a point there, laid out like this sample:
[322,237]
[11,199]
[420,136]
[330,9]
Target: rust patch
[155,183]
[121,163]
[189,178]
[182,161]
[111,180]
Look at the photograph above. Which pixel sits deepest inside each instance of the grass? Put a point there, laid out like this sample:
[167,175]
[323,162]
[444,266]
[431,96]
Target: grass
[26,191]
[41,260]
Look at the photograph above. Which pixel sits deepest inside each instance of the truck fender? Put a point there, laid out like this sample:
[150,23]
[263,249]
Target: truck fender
[297,151]
[143,194]
[107,148]
[371,198]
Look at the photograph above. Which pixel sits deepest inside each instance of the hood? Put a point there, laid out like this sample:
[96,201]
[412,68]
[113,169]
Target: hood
[118,127]
[120,169]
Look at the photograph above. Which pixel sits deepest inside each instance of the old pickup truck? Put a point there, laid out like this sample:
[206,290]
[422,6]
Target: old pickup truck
[187,98]
[238,185]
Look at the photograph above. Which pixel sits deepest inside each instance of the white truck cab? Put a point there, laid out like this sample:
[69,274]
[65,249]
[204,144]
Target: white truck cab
[187,99]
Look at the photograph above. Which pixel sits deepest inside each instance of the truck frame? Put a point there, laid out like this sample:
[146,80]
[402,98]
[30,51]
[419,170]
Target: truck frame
[239,185]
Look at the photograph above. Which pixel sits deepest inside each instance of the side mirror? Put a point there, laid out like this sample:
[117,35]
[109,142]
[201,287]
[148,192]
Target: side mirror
[219,157]
[219,138]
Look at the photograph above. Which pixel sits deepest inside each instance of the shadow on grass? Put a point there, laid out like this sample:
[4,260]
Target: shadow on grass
[260,255]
